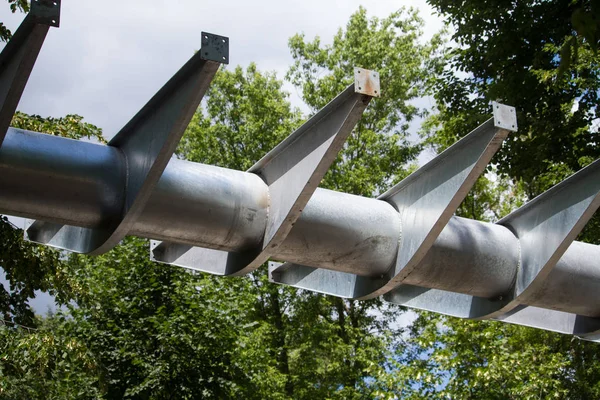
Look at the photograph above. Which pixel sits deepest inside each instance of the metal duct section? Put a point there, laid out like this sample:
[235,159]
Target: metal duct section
[406,245]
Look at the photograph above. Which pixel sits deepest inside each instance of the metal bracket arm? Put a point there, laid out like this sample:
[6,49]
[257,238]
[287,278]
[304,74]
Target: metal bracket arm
[147,143]
[19,55]
[292,172]
[425,201]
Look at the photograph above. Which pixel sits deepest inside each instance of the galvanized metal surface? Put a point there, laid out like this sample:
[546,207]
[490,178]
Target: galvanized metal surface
[425,202]
[573,283]
[548,224]
[429,197]
[343,232]
[292,171]
[546,227]
[146,143]
[469,257]
[552,320]
[225,209]
[60,180]
[215,207]
[406,244]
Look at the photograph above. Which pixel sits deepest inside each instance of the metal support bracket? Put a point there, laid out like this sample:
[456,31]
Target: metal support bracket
[335,283]
[147,142]
[443,302]
[546,227]
[292,171]
[553,320]
[19,55]
[425,200]
[429,197]
[46,12]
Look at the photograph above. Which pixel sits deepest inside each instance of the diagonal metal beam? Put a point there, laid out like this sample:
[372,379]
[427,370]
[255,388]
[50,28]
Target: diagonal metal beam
[428,198]
[292,172]
[19,55]
[553,320]
[147,143]
[425,201]
[546,227]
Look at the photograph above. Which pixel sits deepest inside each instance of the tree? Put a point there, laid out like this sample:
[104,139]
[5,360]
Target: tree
[511,52]
[378,151]
[159,331]
[460,359]
[46,363]
[517,53]
[246,114]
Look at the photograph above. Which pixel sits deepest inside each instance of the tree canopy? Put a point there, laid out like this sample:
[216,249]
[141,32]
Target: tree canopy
[512,52]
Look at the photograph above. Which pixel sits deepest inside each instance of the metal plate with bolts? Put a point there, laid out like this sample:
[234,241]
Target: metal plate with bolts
[367,82]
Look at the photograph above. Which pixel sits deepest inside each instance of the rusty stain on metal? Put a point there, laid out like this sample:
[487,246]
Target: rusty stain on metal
[366,82]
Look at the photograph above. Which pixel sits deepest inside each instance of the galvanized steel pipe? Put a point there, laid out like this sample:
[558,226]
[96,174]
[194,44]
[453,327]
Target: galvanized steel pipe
[78,183]
[406,245]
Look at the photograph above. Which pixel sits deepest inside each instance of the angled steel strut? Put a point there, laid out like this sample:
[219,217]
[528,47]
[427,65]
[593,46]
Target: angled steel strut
[146,143]
[292,171]
[406,245]
[19,55]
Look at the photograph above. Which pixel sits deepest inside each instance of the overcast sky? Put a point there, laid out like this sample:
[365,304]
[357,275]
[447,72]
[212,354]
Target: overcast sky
[109,57]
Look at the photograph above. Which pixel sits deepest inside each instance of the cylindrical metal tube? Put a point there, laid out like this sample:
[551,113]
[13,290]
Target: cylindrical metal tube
[470,257]
[77,183]
[344,232]
[206,206]
[60,180]
[573,285]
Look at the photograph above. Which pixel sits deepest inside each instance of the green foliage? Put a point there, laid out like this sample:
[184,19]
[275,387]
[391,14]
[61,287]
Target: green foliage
[511,52]
[493,360]
[28,267]
[46,363]
[70,126]
[376,153]
[158,331]
[15,5]
[586,22]
[491,198]
[246,115]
